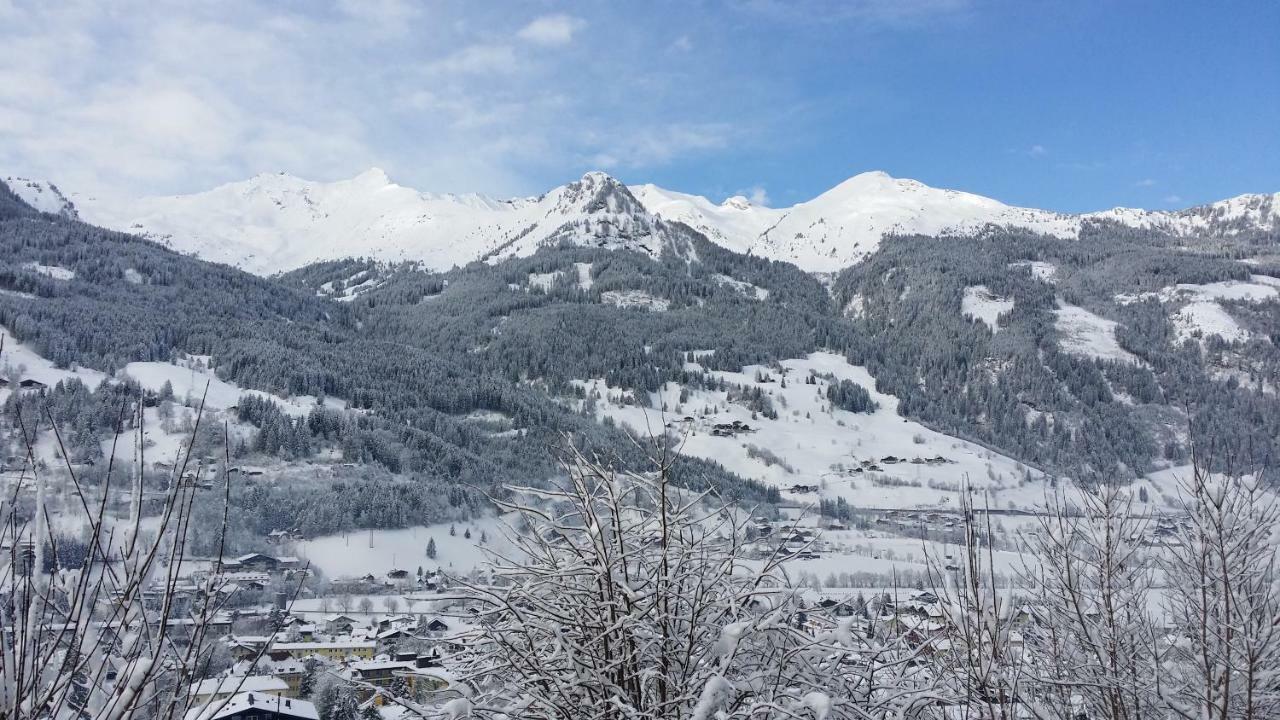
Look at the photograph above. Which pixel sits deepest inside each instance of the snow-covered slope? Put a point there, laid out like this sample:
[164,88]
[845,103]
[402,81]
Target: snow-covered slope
[43,196]
[272,223]
[845,224]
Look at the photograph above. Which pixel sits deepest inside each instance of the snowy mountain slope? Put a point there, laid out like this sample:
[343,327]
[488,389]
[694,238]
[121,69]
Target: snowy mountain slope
[43,196]
[1225,217]
[272,223]
[845,224]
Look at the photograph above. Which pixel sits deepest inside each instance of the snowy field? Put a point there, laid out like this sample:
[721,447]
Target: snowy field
[1046,272]
[980,303]
[1088,335]
[1202,314]
[379,551]
[813,443]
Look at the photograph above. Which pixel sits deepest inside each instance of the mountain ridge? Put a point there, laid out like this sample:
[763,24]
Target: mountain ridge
[275,222]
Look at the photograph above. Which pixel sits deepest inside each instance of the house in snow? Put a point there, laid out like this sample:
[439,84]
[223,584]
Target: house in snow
[254,706]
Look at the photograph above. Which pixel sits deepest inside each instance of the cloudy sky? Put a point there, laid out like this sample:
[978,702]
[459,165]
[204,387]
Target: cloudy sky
[1073,105]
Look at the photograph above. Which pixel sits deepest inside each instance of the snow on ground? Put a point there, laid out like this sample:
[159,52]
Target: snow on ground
[746,288]
[585,280]
[1088,335]
[856,307]
[635,299]
[57,272]
[359,552]
[982,304]
[812,443]
[1203,318]
[1048,272]
[43,196]
[19,361]
[1203,315]
[543,281]
[1258,288]
[190,377]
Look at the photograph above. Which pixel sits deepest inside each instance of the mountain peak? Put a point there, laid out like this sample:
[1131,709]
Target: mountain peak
[373,176]
[598,178]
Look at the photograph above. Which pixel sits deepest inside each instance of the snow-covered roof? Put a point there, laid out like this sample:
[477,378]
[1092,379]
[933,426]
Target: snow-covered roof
[239,683]
[282,706]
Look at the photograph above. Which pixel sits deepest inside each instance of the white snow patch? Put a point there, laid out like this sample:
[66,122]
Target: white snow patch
[746,288]
[543,281]
[982,304]
[1205,317]
[1088,335]
[585,280]
[856,307]
[43,196]
[189,379]
[358,552]
[635,299]
[19,361]
[1047,272]
[56,272]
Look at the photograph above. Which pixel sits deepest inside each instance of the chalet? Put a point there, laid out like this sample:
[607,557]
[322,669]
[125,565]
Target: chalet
[222,688]
[392,637]
[395,621]
[434,626]
[30,385]
[803,488]
[244,647]
[4,383]
[339,624]
[331,650]
[890,460]
[255,706]
[381,673]
[259,562]
[398,574]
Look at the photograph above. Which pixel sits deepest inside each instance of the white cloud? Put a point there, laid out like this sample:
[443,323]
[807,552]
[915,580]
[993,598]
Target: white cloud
[660,144]
[141,97]
[1036,151]
[756,194]
[478,60]
[1172,199]
[552,30]
[1145,182]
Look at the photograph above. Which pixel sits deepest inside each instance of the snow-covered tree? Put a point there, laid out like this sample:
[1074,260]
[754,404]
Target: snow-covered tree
[64,630]
[1221,657]
[627,596]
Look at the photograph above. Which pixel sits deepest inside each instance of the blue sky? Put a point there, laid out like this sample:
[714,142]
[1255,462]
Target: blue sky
[1064,105]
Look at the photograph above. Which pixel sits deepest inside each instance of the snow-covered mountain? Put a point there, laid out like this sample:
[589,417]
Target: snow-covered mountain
[43,196]
[271,223]
[845,224]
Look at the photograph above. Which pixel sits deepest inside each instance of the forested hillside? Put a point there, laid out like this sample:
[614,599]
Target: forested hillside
[82,295]
[1080,357]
